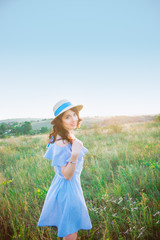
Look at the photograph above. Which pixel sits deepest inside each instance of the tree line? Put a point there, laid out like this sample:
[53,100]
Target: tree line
[14,129]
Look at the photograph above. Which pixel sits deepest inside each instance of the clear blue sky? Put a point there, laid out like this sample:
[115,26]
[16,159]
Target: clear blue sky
[102,54]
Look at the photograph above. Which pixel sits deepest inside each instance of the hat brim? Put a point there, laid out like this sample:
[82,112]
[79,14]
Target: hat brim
[79,107]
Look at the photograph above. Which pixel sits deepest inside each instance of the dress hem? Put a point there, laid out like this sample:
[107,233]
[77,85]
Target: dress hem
[68,233]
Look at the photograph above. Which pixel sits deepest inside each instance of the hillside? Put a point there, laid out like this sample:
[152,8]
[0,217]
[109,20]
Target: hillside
[37,123]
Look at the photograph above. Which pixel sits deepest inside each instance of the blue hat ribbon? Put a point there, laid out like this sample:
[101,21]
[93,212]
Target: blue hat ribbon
[63,106]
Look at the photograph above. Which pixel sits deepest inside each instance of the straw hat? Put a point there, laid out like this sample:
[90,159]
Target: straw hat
[63,106]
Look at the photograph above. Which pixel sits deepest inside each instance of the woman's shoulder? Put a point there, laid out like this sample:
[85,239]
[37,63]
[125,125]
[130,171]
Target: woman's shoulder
[61,142]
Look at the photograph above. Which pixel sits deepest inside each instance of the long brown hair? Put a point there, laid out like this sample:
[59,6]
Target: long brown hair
[60,130]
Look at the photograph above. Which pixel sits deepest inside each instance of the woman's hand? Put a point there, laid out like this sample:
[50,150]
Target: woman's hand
[76,147]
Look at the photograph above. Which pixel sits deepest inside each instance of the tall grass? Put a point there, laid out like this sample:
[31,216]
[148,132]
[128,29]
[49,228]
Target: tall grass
[120,182]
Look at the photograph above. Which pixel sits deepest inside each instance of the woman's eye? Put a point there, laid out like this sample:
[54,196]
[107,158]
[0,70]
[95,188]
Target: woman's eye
[69,116]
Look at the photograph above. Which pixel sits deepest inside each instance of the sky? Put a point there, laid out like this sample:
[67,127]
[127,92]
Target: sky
[104,55]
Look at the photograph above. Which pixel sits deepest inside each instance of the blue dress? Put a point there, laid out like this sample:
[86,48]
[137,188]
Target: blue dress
[64,205]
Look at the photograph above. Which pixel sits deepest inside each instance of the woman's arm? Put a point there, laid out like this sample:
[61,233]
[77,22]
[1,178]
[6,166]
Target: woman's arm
[70,168]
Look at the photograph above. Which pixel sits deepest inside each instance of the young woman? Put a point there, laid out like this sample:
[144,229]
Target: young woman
[64,205]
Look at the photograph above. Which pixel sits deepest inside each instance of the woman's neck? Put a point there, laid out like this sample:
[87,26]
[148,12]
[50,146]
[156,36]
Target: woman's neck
[71,135]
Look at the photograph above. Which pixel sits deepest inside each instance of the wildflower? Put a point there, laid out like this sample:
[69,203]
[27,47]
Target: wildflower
[114,214]
[120,200]
[140,235]
[142,228]
[156,213]
[126,232]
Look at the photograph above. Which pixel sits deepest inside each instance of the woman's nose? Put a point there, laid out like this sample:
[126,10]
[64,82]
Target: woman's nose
[74,118]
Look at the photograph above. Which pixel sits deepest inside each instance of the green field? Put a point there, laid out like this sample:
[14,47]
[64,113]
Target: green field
[120,182]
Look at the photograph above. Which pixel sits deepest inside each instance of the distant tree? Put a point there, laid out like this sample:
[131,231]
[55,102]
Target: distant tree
[17,130]
[11,126]
[32,132]
[26,127]
[44,130]
[3,128]
[15,123]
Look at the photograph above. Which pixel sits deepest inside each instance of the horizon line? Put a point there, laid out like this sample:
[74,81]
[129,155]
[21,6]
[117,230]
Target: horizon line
[91,116]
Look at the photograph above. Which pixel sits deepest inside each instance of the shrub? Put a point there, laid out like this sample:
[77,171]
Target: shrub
[115,128]
[157,118]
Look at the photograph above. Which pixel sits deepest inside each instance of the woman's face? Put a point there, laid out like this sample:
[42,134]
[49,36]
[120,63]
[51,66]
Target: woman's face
[69,120]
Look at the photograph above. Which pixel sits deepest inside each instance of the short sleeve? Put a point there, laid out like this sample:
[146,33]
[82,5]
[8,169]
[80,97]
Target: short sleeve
[84,150]
[58,155]
[51,140]
[49,152]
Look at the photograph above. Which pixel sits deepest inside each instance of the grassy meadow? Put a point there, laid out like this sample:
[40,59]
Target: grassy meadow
[120,181]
